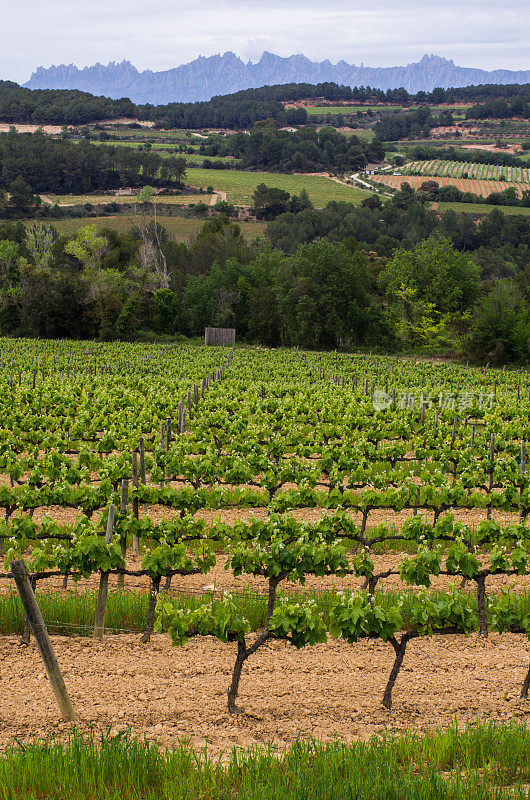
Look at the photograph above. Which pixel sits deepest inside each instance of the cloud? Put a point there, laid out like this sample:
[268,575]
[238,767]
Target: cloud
[481,34]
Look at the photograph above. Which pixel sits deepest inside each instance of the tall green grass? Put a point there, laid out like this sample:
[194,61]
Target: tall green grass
[489,761]
[72,614]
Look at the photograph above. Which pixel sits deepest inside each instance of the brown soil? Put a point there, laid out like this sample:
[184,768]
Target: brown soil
[331,690]
[480,187]
[516,148]
[53,130]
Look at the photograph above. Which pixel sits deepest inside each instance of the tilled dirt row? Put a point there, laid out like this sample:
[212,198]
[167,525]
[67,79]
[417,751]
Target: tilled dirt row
[332,690]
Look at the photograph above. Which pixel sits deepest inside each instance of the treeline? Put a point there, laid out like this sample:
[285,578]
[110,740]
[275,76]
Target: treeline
[330,91]
[72,107]
[239,111]
[500,108]
[431,191]
[486,91]
[57,166]
[403,222]
[416,123]
[58,106]
[424,152]
[390,276]
[306,150]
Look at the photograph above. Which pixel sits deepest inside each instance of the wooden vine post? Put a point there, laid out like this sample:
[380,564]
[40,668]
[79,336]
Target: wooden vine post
[99,620]
[135,506]
[43,640]
[124,499]
[142,462]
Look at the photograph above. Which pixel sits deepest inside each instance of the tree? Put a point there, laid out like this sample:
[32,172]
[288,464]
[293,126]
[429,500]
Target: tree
[153,260]
[168,311]
[323,295]
[501,325]
[88,247]
[269,202]
[21,195]
[39,244]
[435,272]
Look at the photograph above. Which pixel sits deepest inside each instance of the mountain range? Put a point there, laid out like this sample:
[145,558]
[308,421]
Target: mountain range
[206,77]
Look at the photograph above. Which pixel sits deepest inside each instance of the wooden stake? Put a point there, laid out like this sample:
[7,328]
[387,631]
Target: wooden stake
[135,506]
[142,462]
[43,640]
[124,500]
[99,619]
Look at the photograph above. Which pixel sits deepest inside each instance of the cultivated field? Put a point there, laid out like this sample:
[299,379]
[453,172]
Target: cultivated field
[318,110]
[240,185]
[482,188]
[181,229]
[458,169]
[331,502]
[482,208]
[128,199]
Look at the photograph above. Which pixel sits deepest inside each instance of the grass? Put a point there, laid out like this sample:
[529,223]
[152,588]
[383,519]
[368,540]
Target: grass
[482,208]
[475,763]
[240,185]
[169,149]
[72,613]
[316,110]
[179,228]
[365,134]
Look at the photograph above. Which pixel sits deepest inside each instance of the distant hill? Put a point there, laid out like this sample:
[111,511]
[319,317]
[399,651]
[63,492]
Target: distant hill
[204,78]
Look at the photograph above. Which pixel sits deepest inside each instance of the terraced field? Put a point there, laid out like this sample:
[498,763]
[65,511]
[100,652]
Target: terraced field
[482,208]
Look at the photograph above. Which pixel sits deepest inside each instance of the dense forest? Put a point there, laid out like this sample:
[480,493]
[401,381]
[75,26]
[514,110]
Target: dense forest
[242,109]
[57,106]
[404,222]
[72,107]
[54,165]
[414,123]
[267,147]
[393,276]
[501,108]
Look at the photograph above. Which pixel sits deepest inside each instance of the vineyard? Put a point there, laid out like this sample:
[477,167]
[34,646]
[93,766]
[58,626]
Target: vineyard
[460,169]
[277,501]
[480,187]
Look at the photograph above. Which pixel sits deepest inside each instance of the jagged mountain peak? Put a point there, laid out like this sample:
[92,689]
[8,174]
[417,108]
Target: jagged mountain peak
[225,73]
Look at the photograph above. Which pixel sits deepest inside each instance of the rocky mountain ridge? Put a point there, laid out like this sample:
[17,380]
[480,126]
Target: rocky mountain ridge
[206,77]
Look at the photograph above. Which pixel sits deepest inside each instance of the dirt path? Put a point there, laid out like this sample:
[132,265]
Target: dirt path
[217,197]
[331,690]
[356,178]
[46,199]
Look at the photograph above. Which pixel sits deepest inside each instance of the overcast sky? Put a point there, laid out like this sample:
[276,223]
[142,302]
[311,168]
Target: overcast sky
[477,33]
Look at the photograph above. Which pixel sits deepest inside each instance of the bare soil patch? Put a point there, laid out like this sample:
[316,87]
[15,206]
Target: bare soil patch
[326,691]
[53,130]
